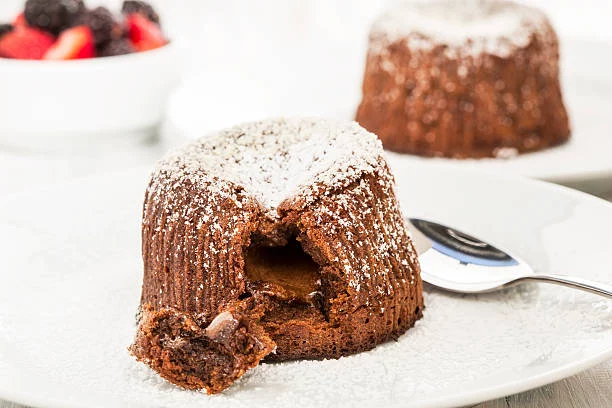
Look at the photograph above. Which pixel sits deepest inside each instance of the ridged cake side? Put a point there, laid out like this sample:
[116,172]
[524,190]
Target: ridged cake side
[371,285]
[492,90]
[199,223]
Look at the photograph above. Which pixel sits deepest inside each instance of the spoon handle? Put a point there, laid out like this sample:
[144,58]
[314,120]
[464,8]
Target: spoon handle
[594,287]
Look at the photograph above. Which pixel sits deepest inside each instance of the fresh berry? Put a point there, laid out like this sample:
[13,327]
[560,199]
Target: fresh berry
[102,24]
[5,29]
[52,15]
[144,34]
[74,43]
[140,7]
[121,46]
[25,43]
[20,21]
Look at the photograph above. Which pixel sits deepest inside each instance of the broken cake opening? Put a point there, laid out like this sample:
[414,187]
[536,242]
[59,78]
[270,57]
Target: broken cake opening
[288,268]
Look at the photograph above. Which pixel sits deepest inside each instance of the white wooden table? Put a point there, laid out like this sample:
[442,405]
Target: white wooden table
[590,389]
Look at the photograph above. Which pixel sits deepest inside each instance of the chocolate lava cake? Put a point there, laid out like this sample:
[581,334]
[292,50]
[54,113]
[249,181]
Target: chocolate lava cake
[275,240]
[471,78]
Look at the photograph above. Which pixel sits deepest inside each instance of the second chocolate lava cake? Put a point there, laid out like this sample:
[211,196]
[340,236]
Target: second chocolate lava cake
[464,79]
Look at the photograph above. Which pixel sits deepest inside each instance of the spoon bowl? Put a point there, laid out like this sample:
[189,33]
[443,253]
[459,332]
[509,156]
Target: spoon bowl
[458,262]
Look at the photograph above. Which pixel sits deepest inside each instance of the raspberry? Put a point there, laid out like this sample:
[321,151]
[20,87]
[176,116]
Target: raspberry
[117,47]
[102,24]
[52,15]
[140,7]
[5,29]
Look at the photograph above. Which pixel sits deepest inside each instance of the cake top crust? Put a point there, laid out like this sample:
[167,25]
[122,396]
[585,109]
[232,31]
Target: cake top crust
[274,159]
[475,26]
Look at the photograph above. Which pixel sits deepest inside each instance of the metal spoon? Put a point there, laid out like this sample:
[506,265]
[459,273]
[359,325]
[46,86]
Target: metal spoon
[458,262]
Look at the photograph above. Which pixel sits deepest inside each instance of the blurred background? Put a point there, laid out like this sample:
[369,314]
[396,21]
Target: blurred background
[239,60]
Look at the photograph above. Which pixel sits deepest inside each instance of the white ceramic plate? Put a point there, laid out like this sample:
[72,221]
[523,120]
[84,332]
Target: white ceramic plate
[71,275]
[304,85]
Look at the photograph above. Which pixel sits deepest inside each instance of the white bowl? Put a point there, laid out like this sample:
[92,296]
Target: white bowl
[85,104]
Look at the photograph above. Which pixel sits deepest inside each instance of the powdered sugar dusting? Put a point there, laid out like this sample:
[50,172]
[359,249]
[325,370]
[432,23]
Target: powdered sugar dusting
[329,170]
[466,26]
[276,159]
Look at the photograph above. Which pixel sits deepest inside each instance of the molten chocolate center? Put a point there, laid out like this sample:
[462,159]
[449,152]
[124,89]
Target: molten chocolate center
[288,267]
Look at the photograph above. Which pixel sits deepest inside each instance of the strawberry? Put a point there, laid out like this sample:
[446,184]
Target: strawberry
[144,34]
[74,43]
[20,20]
[25,43]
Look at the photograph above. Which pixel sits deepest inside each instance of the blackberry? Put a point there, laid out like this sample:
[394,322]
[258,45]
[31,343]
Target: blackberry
[144,8]
[5,29]
[102,25]
[116,47]
[52,15]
